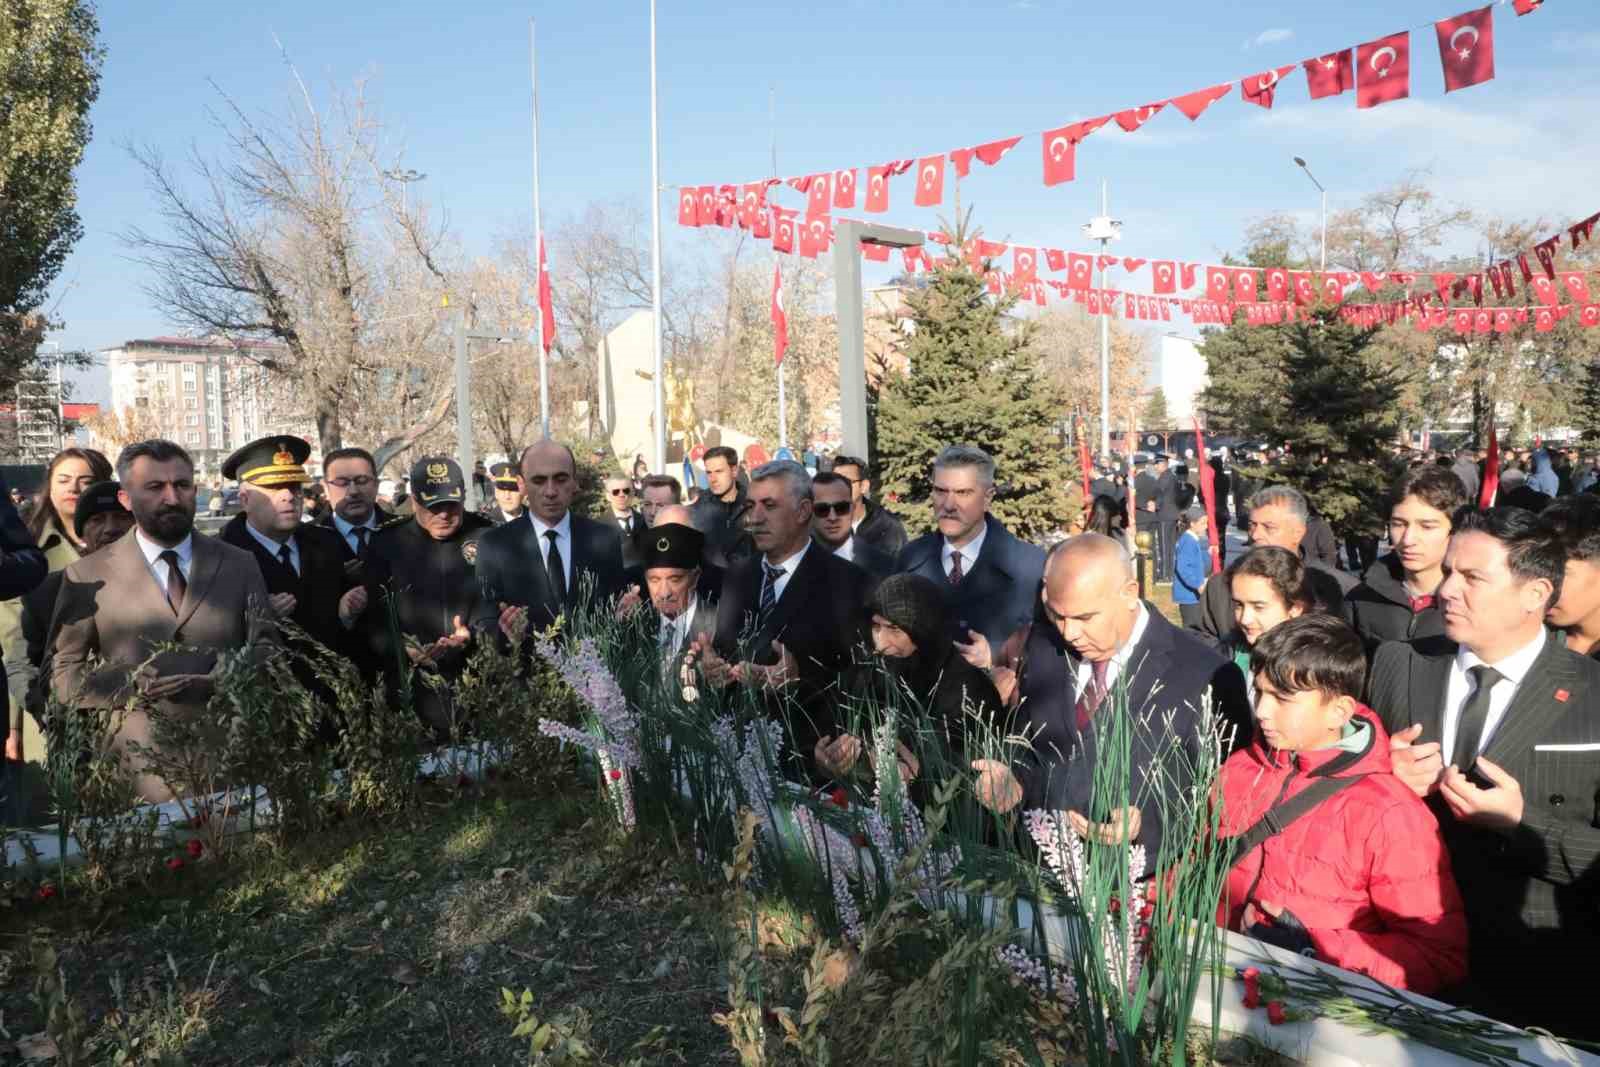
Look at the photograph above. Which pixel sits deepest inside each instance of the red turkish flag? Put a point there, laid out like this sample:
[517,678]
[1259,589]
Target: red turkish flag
[1527,7]
[547,308]
[1219,284]
[1545,291]
[752,199]
[1545,320]
[1188,270]
[844,188]
[1502,321]
[1483,321]
[1130,264]
[1060,148]
[688,207]
[1589,317]
[1079,270]
[1244,286]
[708,205]
[813,237]
[780,317]
[1025,261]
[1583,231]
[1259,89]
[961,159]
[1332,289]
[1192,104]
[1466,48]
[1055,259]
[1135,117]
[1463,320]
[1304,289]
[930,181]
[1384,70]
[1277,284]
[1330,75]
[761,225]
[1577,286]
[819,195]
[1546,251]
[1164,272]
[875,252]
[878,188]
[992,152]
[1441,284]
[783,236]
[1102,262]
[727,205]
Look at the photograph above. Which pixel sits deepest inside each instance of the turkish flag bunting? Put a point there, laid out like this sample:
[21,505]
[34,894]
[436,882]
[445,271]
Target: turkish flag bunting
[990,153]
[1463,320]
[911,257]
[1527,7]
[1103,262]
[727,205]
[1577,286]
[780,317]
[1494,280]
[813,237]
[819,195]
[1277,284]
[1371,282]
[991,249]
[1244,286]
[1188,271]
[1584,230]
[752,199]
[1332,289]
[1219,286]
[1330,75]
[1078,270]
[1038,292]
[1092,302]
[1026,263]
[1483,321]
[1546,251]
[688,207]
[1130,264]
[961,159]
[1055,259]
[1466,48]
[878,188]
[930,181]
[1441,284]
[1192,104]
[782,230]
[1503,322]
[1060,148]
[1135,117]
[1589,317]
[1545,291]
[761,225]
[1164,272]
[1384,69]
[1259,89]
[875,252]
[708,205]
[1508,280]
[844,188]
[1545,320]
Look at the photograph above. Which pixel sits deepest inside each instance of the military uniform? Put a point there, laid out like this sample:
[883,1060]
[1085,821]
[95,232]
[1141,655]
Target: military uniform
[430,583]
[501,476]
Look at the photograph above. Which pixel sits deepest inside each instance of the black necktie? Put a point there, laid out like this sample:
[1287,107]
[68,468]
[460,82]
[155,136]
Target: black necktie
[286,558]
[362,532]
[1474,714]
[553,567]
[176,585]
[769,593]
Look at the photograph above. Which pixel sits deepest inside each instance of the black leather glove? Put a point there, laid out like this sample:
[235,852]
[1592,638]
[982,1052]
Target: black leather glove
[1287,932]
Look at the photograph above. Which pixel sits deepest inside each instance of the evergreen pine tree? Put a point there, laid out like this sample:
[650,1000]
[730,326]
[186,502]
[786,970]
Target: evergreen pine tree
[973,379]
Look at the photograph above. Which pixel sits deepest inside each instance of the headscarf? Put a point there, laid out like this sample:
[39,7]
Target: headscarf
[916,605]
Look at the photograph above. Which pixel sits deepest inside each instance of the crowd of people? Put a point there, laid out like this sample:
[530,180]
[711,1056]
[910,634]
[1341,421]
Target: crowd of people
[1413,783]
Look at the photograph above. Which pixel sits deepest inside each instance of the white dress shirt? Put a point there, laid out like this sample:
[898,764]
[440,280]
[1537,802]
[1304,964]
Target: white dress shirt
[158,566]
[563,531]
[788,566]
[677,630]
[1512,668]
[274,548]
[847,551]
[348,531]
[1086,669]
[969,552]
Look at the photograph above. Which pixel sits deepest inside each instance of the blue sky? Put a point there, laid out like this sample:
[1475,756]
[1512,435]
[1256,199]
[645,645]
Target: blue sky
[857,83]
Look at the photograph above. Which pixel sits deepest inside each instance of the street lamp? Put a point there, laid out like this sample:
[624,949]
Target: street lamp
[1302,165]
[405,178]
[1105,229]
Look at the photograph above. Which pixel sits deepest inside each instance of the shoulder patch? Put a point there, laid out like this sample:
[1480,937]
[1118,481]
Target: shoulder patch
[469,551]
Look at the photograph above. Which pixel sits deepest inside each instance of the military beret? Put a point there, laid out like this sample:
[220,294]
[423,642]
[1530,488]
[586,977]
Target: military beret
[673,545]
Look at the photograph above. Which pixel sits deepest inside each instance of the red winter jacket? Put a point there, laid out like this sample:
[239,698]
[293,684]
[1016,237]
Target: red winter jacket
[1365,871]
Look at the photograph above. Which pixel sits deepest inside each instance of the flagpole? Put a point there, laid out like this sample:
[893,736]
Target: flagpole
[538,236]
[783,399]
[658,377]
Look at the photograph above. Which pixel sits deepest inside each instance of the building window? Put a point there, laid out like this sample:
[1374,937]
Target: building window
[190,402]
[193,437]
[191,420]
[188,385]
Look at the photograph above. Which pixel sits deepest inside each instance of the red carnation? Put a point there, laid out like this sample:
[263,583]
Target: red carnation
[175,864]
[840,797]
[44,892]
[195,848]
[616,775]
[1250,974]
[1275,1013]
[1114,906]
[1147,910]
[1252,997]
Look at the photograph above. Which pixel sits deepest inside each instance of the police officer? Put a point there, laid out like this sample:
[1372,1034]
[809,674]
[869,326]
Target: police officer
[425,564]
[508,503]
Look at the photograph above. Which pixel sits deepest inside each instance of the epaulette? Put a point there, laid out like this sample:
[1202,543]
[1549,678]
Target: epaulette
[393,521]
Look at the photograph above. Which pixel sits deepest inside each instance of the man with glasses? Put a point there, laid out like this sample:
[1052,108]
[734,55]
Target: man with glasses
[830,525]
[869,521]
[508,504]
[350,476]
[619,512]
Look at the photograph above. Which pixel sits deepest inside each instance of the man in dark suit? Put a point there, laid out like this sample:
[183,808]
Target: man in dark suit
[163,583]
[672,557]
[1147,502]
[790,618]
[302,563]
[618,512]
[990,579]
[830,508]
[1501,736]
[1167,512]
[871,523]
[507,504]
[350,476]
[543,566]
[1062,672]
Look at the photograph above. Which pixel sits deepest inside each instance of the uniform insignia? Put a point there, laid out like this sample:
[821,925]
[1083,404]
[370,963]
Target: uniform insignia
[283,457]
[469,552]
[663,544]
[438,472]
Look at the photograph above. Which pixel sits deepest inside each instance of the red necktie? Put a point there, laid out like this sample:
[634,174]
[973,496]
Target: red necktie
[1089,700]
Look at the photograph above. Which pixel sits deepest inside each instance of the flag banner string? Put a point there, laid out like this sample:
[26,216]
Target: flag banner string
[1378,71]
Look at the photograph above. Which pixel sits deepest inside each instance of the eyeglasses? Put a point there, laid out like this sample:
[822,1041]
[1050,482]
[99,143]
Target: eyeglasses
[824,510]
[622,492]
[360,482]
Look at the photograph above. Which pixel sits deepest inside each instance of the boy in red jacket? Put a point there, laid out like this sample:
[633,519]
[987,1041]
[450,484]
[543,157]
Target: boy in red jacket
[1357,875]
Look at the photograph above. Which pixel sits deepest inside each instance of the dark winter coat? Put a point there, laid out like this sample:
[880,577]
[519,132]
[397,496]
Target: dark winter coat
[1380,608]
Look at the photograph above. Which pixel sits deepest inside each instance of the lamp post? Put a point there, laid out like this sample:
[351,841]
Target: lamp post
[1105,229]
[851,318]
[1302,165]
[464,457]
[405,178]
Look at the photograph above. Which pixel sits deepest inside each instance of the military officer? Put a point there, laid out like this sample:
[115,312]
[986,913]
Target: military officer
[508,503]
[425,564]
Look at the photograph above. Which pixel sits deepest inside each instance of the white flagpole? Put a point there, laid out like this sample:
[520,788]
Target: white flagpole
[538,234]
[655,255]
[783,399]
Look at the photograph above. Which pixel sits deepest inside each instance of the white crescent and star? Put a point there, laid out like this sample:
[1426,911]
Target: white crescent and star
[1464,53]
[1058,148]
[929,173]
[877,182]
[1266,81]
[1383,72]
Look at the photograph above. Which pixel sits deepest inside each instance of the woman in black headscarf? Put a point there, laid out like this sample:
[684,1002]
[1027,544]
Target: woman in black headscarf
[916,666]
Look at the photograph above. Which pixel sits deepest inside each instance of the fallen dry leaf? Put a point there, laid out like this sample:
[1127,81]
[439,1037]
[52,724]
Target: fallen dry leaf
[36,1047]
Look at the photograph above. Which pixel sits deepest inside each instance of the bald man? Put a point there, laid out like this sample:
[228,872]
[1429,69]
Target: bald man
[545,562]
[1063,672]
